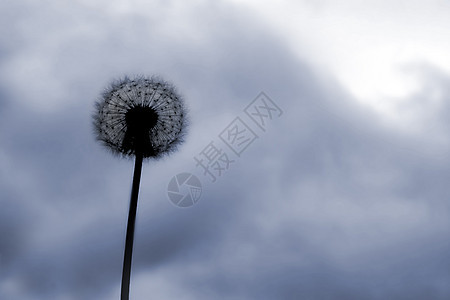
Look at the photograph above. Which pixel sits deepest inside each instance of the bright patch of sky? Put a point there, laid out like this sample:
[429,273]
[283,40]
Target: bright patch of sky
[371,47]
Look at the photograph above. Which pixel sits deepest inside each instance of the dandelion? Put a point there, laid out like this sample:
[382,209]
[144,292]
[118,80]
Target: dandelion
[143,118]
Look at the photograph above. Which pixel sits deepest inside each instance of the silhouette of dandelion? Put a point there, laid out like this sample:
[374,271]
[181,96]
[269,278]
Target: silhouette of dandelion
[141,117]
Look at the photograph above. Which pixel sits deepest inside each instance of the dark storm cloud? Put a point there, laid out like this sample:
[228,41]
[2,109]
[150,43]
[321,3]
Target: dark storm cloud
[328,204]
[55,150]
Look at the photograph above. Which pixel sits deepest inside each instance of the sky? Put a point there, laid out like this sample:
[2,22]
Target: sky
[342,195]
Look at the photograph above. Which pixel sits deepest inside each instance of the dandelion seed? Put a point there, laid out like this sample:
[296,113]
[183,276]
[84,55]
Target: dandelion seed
[141,115]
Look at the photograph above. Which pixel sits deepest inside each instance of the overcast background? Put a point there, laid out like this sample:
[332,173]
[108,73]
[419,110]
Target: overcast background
[345,196]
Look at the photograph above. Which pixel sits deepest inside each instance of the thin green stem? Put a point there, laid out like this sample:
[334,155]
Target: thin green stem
[125,292]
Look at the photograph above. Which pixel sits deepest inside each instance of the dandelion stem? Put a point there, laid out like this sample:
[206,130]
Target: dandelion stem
[125,292]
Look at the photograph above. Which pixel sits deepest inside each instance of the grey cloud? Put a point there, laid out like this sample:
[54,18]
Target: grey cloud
[328,204]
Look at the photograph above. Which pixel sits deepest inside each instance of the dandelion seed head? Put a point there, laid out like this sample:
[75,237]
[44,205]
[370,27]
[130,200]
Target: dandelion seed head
[144,115]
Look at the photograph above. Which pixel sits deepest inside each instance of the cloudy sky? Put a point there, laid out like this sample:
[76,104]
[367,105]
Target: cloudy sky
[343,196]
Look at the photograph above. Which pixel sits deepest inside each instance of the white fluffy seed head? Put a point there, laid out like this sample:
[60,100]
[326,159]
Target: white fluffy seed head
[144,115]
